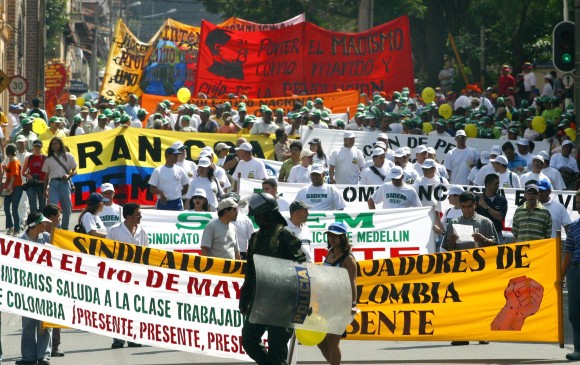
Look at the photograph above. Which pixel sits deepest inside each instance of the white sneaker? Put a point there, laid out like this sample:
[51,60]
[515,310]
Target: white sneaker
[16,233]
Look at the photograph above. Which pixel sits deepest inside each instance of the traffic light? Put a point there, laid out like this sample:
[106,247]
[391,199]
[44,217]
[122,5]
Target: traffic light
[563,47]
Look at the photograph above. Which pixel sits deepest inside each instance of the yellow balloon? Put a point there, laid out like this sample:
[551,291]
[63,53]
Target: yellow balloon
[428,95]
[571,133]
[39,126]
[183,95]
[539,124]
[445,111]
[309,338]
[471,130]
[427,127]
[81,101]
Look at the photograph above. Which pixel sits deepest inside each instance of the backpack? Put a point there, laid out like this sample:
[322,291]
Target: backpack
[79,228]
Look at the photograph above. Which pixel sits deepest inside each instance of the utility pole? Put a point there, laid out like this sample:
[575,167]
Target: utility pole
[95,51]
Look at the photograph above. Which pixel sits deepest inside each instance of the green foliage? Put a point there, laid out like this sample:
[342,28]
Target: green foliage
[56,22]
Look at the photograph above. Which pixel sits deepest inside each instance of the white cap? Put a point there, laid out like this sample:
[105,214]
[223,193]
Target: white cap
[455,190]
[381,144]
[383,136]
[204,162]
[396,173]
[567,142]
[306,153]
[545,155]
[72,97]
[460,133]
[484,157]
[421,149]
[428,164]
[378,152]
[538,157]
[348,134]
[431,151]
[227,203]
[200,192]
[500,159]
[204,153]
[407,151]
[246,146]
[177,145]
[548,76]
[495,150]
[220,146]
[317,169]
[107,187]
[523,142]
[399,152]
[208,149]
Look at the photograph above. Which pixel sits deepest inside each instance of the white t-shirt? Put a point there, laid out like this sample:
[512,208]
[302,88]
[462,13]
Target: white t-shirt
[221,239]
[299,174]
[283,204]
[528,157]
[509,179]
[529,81]
[252,169]
[189,166]
[347,164]
[304,235]
[396,196]
[110,215]
[320,160]
[555,178]
[210,187]
[449,214]
[323,197]
[368,176]
[244,229]
[120,233]
[222,176]
[93,222]
[531,176]
[482,173]
[472,175]
[409,174]
[170,180]
[424,183]
[560,216]
[261,127]
[557,161]
[458,161]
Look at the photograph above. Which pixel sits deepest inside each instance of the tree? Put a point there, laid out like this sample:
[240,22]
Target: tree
[56,22]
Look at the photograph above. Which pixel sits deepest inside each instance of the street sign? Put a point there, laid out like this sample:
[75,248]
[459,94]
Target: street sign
[4,81]
[568,80]
[18,85]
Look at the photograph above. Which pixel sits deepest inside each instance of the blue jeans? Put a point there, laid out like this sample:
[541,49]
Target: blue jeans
[573,284]
[11,203]
[35,342]
[36,198]
[59,192]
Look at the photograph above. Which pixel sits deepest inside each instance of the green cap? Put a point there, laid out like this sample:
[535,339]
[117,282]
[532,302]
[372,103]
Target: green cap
[185,117]
[108,112]
[279,111]
[93,110]
[249,120]
[26,121]
[318,100]
[77,119]
[359,114]
[142,112]
[101,116]
[242,109]
[58,107]
[116,114]
[54,120]
[125,118]
[227,103]
[316,112]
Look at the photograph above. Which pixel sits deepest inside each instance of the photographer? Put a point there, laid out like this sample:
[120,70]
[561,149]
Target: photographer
[32,169]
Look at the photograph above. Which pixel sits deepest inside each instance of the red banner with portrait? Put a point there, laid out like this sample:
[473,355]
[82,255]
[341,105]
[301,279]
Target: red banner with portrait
[304,58]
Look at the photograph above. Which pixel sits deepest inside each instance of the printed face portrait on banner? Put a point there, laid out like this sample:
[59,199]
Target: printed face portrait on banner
[228,54]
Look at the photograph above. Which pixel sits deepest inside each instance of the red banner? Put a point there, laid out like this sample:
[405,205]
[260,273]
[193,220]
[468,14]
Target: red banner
[55,80]
[304,59]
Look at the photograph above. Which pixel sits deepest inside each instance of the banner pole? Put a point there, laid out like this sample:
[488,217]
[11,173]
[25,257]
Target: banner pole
[458,58]
[559,289]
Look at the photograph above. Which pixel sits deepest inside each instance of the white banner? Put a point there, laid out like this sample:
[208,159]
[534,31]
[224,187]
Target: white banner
[374,234]
[356,196]
[155,306]
[332,139]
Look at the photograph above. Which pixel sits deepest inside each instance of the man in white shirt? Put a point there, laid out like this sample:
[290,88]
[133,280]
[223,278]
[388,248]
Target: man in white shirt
[395,194]
[560,216]
[460,160]
[564,159]
[507,178]
[248,167]
[169,182]
[265,127]
[244,227]
[439,129]
[426,183]
[300,174]
[375,174]
[536,173]
[219,235]
[554,175]
[319,195]
[270,186]
[383,138]
[402,160]
[487,168]
[130,230]
[111,213]
[421,155]
[441,170]
[346,162]
[297,225]
[523,146]
[529,80]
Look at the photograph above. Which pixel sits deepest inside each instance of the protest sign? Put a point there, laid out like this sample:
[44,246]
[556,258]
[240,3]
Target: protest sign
[337,102]
[413,298]
[242,25]
[333,139]
[126,157]
[304,58]
[55,80]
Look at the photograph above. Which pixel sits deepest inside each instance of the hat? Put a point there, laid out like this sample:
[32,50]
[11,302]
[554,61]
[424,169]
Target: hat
[396,173]
[532,187]
[142,112]
[567,142]
[545,155]
[306,153]
[107,187]
[220,146]
[544,184]
[204,162]
[205,153]
[227,203]
[548,76]
[246,146]
[348,135]
[381,144]
[337,228]
[523,142]
[20,138]
[172,151]
[538,157]
[421,149]
[455,190]
[378,152]
[26,121]
[501,160]
[84,109]
[317,169]
[495,150]
[297,205]
[399,152]
[58,107]
[315,141]
[37,142]
[96,198]
[318,100]
[484,157]
[428,164]
[35,219]
[72,97]
[431,150]
[383,136]
[460,133]
[200,192]
[177,145]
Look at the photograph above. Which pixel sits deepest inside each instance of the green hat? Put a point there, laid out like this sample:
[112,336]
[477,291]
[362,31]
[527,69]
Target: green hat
[93,110]
[157,116]
[185,117]
[500,100]
[267,111]
[117,120]
[58,107]
[316,112]
[112,102]
[125,118]
[108,112]
[206,110]
[440,122]
[249,120]
[309,104]
[359,114]
[485,120]
[102,116]
[54,120]
[279,111]
[167,103]
[116,114]
[242,104]
[26,121]
[120,107]
[88,104]
[227,103]
[304,110]
[318,100]
[369,116]
[242,109]
[34,115]
[513,130]
[142,112]
[77,119]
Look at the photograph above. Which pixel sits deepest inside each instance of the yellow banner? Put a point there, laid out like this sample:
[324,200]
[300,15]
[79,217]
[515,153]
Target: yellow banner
[501,293]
